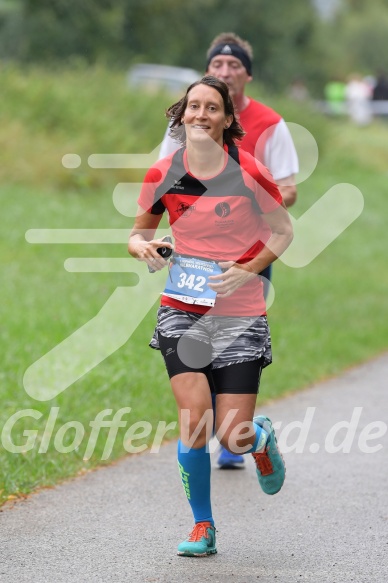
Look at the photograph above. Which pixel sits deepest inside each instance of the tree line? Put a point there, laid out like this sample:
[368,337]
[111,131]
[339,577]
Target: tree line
[289,39]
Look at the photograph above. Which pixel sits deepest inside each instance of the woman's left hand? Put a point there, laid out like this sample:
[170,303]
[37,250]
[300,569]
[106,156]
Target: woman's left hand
[235,276]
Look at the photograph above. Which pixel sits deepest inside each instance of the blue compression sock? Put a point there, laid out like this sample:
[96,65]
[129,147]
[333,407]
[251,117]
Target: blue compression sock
[194,467]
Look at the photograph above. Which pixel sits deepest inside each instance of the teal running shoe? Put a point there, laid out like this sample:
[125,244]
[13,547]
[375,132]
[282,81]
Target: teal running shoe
[270,468]
[200,542]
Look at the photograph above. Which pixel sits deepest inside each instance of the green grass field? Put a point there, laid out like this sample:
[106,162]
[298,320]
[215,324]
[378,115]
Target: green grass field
[327,316]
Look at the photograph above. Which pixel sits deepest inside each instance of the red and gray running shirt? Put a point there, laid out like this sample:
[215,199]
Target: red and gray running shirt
[221,218]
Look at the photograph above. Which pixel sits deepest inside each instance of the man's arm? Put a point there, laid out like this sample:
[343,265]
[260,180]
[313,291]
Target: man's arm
[288,190]
[281,159]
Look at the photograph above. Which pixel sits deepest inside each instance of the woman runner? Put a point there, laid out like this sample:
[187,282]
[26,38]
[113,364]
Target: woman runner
[229,222]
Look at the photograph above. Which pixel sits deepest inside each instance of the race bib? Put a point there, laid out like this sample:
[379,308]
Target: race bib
[187,280]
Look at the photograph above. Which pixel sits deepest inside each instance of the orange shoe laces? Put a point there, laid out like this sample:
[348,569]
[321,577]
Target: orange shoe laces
[263,463]
[199,530]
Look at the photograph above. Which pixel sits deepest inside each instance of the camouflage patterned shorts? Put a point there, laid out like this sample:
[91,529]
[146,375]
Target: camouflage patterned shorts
[231,340]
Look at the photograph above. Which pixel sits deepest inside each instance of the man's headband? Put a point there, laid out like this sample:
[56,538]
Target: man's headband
[232,50]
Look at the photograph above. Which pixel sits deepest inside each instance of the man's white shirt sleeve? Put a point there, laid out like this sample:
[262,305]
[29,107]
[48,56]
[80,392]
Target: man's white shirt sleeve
[280,155]
[168,145]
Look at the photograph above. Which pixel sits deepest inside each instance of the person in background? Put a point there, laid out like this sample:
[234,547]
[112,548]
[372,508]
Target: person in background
[212,328]
[334,92]
[380,90]
[380,93]
[358,96]
[267,138]
[297,91]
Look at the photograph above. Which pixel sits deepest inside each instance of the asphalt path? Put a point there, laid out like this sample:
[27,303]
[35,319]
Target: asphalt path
[328,524]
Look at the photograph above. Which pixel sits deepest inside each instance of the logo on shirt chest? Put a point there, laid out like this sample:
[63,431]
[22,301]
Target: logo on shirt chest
[222,209]
[184,210]
[177,185]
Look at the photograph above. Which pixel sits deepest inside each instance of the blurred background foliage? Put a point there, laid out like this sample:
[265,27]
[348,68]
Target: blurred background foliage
[302,38]
[46,114]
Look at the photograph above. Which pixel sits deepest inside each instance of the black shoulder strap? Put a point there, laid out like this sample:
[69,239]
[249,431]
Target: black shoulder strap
[234,153]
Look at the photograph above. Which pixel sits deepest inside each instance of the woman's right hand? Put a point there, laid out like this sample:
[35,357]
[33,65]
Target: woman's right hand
[148,251]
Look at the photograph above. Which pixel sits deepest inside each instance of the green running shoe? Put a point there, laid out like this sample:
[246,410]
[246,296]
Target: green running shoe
[200,542]
[270,468]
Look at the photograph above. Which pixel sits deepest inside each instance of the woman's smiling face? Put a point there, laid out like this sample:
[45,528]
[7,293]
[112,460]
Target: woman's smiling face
[204,115]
